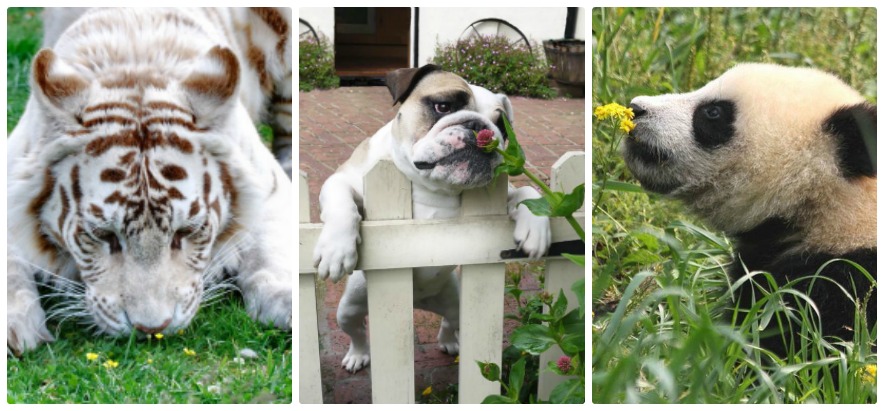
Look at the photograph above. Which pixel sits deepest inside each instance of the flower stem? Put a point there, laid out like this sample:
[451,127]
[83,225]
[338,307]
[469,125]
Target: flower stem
[576,226]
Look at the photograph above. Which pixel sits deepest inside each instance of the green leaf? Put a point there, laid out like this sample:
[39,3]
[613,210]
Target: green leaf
[513,149]
[489,370]
[517,377]
[573,343]
[570,202]
[571,391]
[576,259]
[498,399]
[579,288]
[538,206]
[619,186]
[559,306]
[533,338]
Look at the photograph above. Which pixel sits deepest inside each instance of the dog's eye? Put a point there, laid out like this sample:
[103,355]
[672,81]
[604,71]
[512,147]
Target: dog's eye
[712,112]
[442,108]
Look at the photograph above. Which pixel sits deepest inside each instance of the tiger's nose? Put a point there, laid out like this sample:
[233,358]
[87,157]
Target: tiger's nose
[152,330]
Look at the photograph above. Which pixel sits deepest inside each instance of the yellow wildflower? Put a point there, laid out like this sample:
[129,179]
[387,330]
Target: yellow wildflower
[188,351]
[427,391]
[91,356]
[613,110]
[870,373]
[626,125]
[158,336]
[111,364]
[150,361]
[457,360]
[181,332]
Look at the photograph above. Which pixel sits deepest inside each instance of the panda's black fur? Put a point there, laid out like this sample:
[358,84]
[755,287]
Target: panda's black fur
[782,160]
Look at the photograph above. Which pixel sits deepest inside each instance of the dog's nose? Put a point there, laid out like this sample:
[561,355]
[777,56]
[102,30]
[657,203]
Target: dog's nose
[637,110]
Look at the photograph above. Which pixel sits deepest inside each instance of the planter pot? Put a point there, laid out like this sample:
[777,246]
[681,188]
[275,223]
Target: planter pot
[567,59]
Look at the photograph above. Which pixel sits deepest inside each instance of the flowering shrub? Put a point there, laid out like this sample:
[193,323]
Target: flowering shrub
[492,62]
[316,65]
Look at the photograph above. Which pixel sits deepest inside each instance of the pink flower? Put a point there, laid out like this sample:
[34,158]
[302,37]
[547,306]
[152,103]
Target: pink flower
[564,363]
[484,138]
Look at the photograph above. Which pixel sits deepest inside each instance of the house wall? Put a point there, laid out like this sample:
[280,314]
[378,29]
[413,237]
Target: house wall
[321,18]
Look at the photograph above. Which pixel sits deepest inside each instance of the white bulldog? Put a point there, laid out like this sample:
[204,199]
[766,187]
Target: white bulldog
[432,142]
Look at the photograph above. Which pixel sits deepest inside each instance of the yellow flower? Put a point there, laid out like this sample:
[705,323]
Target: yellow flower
[181,332]
[158,336]
[150,361]
[457,360]
[111,364]
[613,110]
[626,125]
[188,351]
[870,373]
[427,391]
[91,356]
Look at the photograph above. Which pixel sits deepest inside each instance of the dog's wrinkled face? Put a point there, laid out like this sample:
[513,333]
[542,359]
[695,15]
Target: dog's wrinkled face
[435,128]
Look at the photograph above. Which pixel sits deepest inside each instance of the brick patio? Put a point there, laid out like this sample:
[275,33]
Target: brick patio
[331,124]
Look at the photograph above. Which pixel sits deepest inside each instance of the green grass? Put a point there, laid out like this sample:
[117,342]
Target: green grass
[662,331]
[149,371]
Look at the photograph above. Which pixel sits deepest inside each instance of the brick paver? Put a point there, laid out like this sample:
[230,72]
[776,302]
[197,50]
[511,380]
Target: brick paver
[331,124]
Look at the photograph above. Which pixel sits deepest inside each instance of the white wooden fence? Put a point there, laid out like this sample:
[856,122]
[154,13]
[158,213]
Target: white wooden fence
[392,243]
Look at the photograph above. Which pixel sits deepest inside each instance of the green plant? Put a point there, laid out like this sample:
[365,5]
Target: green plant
[316,65]
[492,62]
[538,332]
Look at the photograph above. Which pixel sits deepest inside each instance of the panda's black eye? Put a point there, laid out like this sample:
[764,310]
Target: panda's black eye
[712,112]
[442,108]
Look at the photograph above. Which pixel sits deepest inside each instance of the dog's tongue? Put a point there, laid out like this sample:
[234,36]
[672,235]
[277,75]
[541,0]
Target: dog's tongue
[423,165]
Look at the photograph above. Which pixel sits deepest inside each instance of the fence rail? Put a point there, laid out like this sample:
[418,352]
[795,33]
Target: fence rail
[393,243]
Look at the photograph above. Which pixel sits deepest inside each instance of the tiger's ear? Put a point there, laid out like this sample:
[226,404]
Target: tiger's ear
[57,85]
[212,85]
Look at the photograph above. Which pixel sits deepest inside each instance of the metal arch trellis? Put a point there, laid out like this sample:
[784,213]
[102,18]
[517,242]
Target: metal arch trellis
[306,32]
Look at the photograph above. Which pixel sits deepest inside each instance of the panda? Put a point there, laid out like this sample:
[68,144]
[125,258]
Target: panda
[782,159]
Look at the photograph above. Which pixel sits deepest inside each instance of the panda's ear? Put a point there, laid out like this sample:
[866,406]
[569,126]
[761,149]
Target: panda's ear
[855,131]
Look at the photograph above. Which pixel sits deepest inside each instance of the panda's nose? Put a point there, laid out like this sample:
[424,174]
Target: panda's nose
[637,110]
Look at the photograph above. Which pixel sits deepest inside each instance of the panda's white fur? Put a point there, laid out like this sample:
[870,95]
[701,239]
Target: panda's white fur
[767,153]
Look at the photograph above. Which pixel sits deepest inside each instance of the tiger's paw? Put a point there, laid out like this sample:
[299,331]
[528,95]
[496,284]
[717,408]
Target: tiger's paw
[25,329]
[274,307]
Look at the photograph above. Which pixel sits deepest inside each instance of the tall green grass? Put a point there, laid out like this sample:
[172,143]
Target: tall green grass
[663,331]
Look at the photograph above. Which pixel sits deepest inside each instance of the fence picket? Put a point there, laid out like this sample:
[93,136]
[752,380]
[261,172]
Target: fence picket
[387,196]
[568,172]
[310,387]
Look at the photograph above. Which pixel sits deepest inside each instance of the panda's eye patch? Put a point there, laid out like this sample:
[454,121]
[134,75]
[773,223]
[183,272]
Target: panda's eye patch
[713,123]
[712,112]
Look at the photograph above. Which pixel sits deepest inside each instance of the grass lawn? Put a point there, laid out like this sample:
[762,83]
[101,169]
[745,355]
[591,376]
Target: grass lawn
[662,331]
[204,364]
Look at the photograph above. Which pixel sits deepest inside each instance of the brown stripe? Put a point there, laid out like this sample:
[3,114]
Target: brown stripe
[111,106]
[277,23]
[256,59]
[232,229]
[96,211]
[116,197]
[173,173]
[181,144]
[65,207]
[113,175]
[76,192]
[194,208]
[164,105]
[175,194]
[100,145]
[126,159]
[126,121]
[169,120]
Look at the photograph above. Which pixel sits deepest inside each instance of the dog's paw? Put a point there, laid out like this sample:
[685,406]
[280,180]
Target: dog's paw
[448,339]
[335,253]
[356,359]
[25,329]
[532,234]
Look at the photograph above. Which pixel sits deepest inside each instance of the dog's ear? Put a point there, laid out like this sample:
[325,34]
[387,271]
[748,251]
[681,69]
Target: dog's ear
[402,81]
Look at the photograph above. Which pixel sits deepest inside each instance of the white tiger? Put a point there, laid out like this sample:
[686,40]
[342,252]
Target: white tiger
[136,176]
